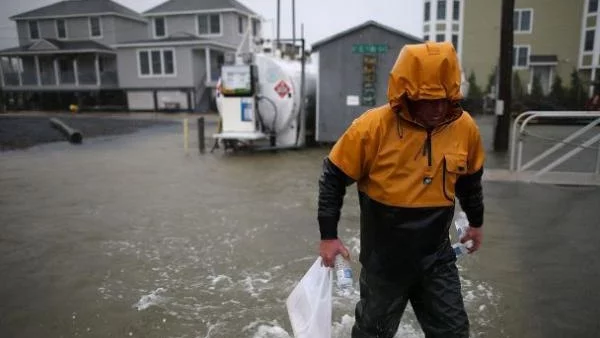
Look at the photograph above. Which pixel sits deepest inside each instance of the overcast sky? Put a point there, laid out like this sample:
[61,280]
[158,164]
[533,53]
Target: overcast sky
[321,18]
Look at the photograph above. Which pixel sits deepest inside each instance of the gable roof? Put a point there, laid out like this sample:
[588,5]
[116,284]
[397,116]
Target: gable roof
[370,23]
[53,45]
[72,8]
[177,39]
[182,6]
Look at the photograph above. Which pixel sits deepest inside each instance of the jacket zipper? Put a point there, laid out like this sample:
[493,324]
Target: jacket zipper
[428,145]
[444,169]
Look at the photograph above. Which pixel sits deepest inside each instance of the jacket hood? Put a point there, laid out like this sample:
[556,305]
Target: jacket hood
[426,71]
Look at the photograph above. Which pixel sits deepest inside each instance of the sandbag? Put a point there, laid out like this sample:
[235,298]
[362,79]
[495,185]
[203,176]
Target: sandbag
[309,304]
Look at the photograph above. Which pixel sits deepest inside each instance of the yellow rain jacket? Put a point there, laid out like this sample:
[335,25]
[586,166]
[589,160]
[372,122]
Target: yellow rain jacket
[407,176]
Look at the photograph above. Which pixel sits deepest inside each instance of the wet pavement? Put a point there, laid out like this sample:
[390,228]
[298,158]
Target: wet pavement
[130,236]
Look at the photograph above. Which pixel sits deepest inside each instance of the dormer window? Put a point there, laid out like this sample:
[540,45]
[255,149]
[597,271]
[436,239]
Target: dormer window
[160,27]
[95,27]
[34,30]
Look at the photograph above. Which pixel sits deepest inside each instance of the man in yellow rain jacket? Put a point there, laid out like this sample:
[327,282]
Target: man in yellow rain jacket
[410,158]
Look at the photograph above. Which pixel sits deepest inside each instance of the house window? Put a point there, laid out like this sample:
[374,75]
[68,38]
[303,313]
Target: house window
[426,37]
[34,30]
[427,11]
[169,62]
[95,27]
[522,20]
[255,27]
[455,41]
[209,24]
[520,56]
[156,62]
[589,40]
[439,37]
[61,29]
[593,6]
[456,10]
[144,63]
[441,9]
[160,29]
[241,24]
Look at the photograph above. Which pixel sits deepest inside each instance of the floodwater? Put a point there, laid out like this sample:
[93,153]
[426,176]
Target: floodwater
[130,237]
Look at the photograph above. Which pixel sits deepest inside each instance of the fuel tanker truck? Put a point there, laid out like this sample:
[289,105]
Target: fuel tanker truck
[266,102]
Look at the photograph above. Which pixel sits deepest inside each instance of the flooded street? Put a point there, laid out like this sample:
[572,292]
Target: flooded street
[127,236]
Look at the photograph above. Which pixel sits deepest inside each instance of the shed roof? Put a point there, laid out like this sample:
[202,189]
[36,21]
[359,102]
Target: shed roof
[370,23]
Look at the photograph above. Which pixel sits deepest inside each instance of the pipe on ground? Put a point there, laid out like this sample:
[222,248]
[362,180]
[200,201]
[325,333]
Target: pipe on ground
[73,135]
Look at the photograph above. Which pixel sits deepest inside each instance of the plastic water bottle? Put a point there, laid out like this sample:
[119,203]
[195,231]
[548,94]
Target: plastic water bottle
[343,272]
[462,225]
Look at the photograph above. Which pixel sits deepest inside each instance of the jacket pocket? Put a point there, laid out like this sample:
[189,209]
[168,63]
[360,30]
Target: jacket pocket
[454,166]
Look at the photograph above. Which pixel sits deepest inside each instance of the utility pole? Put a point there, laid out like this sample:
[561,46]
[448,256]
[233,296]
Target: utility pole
[503,109]
[294,20]
[278,24]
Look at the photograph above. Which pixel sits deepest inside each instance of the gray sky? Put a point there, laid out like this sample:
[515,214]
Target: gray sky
[321,18]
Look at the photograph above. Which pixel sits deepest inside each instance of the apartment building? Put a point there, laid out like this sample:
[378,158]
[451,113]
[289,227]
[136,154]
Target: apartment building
[551,37]
[101,53]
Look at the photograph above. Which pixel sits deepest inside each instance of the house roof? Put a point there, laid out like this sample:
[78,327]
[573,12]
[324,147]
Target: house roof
[79,8]
[370,23]
[44,46]
[553,59]
[177,39]
[179,6]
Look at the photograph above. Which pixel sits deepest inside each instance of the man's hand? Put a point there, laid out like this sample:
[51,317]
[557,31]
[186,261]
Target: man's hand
[329,248]
[474,234]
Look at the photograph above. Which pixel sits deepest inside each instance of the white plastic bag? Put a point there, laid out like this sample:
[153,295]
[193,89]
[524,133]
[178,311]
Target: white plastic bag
[309,304]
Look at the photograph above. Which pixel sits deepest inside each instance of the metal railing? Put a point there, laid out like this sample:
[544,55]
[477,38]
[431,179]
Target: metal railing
[11,78]
[518,137]
[109,78]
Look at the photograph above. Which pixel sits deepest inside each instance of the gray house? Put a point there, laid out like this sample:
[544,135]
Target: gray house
[65,55]
[178,63]
[353,74]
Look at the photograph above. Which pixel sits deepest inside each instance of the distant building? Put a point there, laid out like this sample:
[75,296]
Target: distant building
[100,53]
[64,51]
[551,37]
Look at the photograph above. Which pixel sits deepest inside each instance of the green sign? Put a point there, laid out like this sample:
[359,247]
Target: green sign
[369,48]
[369,80]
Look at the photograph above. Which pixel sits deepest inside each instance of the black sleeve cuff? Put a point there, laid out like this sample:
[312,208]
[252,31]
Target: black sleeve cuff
[470,195]
[328,227]
[475,217]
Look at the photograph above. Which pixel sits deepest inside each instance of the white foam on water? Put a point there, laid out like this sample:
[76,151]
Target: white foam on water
[343,329]
[339,329]
[257,284]
[151,299]
[217,296]
[214,280]
[267,331]
[211,327]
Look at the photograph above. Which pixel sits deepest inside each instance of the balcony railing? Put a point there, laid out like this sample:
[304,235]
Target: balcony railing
[29,78]
[48,78]
[86,74]
[109,78]
[87,78]
[67,78]
[11,79]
